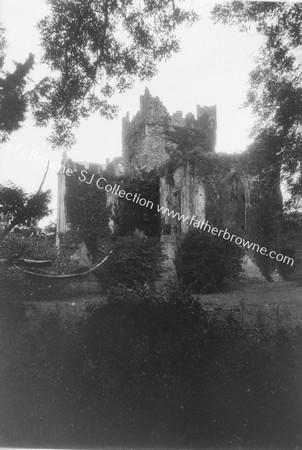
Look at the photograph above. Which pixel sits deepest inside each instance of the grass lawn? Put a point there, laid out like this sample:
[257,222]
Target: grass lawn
[282,297]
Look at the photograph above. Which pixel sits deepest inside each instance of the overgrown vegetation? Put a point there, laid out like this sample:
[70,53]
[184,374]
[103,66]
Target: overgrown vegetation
[265,213]
[206,263]
[134,260]
[130,216]
[184,146]
[20,208]
[187,148]
[242,193]
[14,99]
[17,286]
[146,369]
[87,211]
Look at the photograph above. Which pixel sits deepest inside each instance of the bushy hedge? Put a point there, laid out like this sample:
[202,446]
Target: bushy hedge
[146,369]
[207,262]
[134,260]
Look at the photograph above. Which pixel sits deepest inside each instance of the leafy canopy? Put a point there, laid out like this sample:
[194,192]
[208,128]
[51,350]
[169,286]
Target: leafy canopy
[19,208]
[97,48]
[14,100]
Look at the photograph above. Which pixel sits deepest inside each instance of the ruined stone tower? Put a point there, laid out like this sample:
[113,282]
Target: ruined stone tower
[143,137]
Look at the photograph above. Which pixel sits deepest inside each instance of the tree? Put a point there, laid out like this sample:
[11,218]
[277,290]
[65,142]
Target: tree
[19,208]
[14,100]
[97,48]
[275,94]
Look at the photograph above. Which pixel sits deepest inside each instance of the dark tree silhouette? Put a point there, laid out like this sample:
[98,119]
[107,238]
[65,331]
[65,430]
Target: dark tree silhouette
[19,208]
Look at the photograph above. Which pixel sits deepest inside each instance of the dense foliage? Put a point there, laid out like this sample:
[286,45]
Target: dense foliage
[184,146]
[266,206]
[87,211]
[134,260]
[205,262]
[130,216]
[98,48]
[146,370]
[20,208]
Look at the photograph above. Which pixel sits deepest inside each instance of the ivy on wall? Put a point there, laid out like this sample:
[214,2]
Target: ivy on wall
[224,195]
[87,211]
[266,211]
[130,216]
[256,218]
[184,146]
[89,215]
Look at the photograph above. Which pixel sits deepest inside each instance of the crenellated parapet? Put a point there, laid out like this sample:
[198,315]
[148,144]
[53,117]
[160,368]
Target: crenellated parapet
[151,108]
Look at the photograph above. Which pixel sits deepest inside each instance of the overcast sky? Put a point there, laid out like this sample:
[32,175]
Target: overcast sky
[211,69]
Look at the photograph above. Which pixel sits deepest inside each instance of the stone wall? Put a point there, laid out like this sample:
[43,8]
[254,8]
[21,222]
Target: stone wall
[143,141]
[186,195]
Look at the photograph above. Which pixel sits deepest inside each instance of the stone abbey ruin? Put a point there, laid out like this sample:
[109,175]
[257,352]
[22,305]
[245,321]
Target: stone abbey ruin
[171,160]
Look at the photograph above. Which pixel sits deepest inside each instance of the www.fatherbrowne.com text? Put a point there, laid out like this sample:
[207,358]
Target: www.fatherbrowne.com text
[224,233]
[101,184]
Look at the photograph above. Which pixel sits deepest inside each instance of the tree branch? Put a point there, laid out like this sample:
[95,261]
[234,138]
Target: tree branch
[43,179]
[8,229]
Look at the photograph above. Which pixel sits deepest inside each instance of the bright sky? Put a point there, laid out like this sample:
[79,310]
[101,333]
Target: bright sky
[211,69]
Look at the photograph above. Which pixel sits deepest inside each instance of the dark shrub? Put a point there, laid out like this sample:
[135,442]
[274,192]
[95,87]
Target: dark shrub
[134,260]
[207,262]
